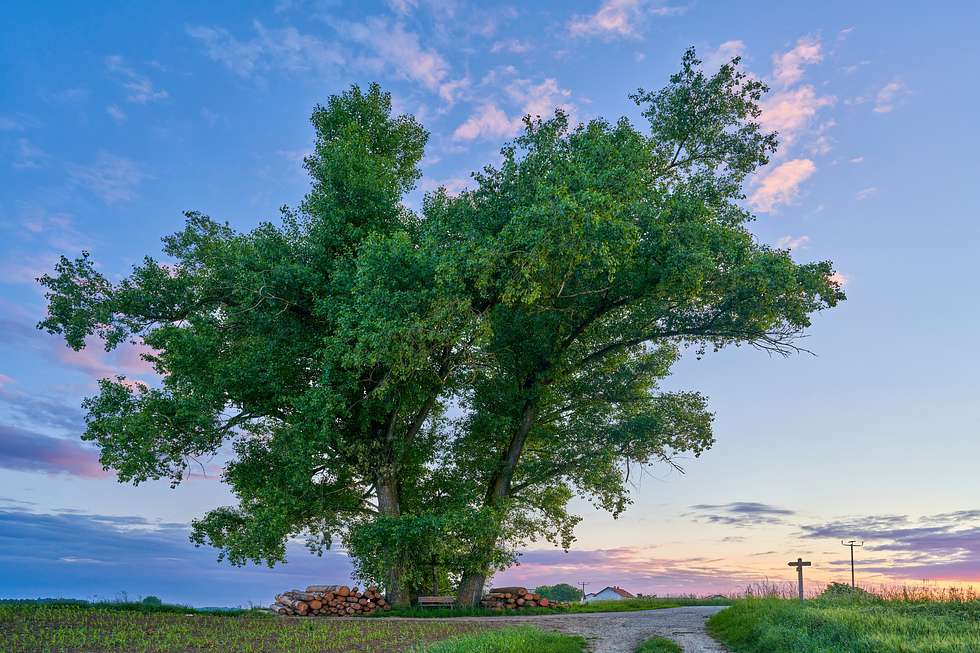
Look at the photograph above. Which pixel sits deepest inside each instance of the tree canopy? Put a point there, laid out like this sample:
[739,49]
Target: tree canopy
[433,388]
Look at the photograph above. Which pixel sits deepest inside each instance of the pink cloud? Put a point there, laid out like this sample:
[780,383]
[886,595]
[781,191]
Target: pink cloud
[790,112]
[630,567]
[889,94]
[781,185]
[619,18]
[23,450]
[788,66]
[838,278]
[97,363]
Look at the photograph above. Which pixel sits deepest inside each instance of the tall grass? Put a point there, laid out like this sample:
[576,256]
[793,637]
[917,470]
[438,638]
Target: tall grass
[842,620]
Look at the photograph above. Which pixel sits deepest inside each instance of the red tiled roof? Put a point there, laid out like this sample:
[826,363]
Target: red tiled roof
[618,590]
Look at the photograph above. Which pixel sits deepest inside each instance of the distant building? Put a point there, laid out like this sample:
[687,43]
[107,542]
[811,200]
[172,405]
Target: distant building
[609,594]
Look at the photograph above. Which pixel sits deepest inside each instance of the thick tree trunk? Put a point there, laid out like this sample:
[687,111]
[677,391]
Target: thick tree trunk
[471,585]
[398,593]
[471,589]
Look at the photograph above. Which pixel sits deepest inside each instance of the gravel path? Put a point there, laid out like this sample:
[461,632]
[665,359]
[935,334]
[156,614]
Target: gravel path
[622,632]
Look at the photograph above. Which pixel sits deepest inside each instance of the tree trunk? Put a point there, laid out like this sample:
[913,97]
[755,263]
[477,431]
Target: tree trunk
[471,589]
[398,593]
[471,585]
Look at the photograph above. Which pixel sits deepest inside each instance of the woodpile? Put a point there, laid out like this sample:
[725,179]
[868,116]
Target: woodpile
[330,601]
[515,598]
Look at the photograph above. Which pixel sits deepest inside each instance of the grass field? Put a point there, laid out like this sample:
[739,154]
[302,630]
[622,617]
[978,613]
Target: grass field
[510,640]
[848,622]
[32,628]
[628,605]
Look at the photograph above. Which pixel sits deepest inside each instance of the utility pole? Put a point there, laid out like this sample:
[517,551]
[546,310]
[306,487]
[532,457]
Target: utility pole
[800,564]
[583,584]
[852,544]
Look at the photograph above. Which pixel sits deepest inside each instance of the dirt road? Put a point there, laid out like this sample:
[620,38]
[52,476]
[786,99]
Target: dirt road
[622,632]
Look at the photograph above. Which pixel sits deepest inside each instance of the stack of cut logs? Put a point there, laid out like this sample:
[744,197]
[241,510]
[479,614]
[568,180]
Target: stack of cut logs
[515,598]
[330,601]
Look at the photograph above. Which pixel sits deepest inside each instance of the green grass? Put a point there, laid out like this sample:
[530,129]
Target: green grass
[509,640]
[848,624]
[44,628]
[659,645]
[628,605]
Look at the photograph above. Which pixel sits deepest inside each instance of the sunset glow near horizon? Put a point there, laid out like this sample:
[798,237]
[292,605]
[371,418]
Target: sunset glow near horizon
[116,118]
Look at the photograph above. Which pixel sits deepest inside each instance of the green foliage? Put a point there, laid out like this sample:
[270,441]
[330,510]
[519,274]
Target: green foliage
[548,304]
[848,625]
[60,628]
[560,592]
[659,645]
[844,592]
[152,601]
[509,640]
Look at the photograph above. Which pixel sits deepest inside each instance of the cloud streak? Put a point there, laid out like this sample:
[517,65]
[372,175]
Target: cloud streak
[28,451]
[72,554]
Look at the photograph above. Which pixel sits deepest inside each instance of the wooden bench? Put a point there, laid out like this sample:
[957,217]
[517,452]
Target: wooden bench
[436,602]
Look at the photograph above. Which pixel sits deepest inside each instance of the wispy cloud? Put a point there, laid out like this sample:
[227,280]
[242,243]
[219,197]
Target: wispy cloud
[780,185]
[865,193]
[29,156]
[741,513]
[792,243]
[513,46]
[788,66]
[635,568]
[619,18]
[116,113]
[111,178]
[889,95]
[396,48]
[29,451]
[723,54]
[286,49]
[40,554]
[534,99]
[790,112]
[139,87]
[944,546]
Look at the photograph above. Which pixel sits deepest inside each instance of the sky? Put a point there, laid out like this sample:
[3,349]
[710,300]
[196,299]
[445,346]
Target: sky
[117,117]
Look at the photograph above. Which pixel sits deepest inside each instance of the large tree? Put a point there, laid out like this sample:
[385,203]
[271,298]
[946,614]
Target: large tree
[603,253]
[544,306]
[319,347]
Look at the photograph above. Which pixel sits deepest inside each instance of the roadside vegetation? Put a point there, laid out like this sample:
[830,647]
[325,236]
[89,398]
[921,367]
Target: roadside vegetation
[843,620]
[124,628]
[510,640]
[659,645]
[628,605]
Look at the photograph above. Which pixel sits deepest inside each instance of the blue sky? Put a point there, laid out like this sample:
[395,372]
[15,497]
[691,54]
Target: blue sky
[116,118]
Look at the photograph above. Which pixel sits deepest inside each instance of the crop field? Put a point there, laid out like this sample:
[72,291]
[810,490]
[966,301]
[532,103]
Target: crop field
[850,622]
[28,628]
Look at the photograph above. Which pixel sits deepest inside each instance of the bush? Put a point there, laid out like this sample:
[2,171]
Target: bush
[152,601]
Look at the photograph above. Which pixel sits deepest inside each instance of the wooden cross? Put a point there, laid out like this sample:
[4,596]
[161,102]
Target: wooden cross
[799,564]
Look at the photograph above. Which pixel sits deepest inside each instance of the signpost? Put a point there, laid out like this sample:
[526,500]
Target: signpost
[852,545]
[799,564]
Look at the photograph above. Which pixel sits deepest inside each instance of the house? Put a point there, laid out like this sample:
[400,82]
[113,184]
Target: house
[614,593]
